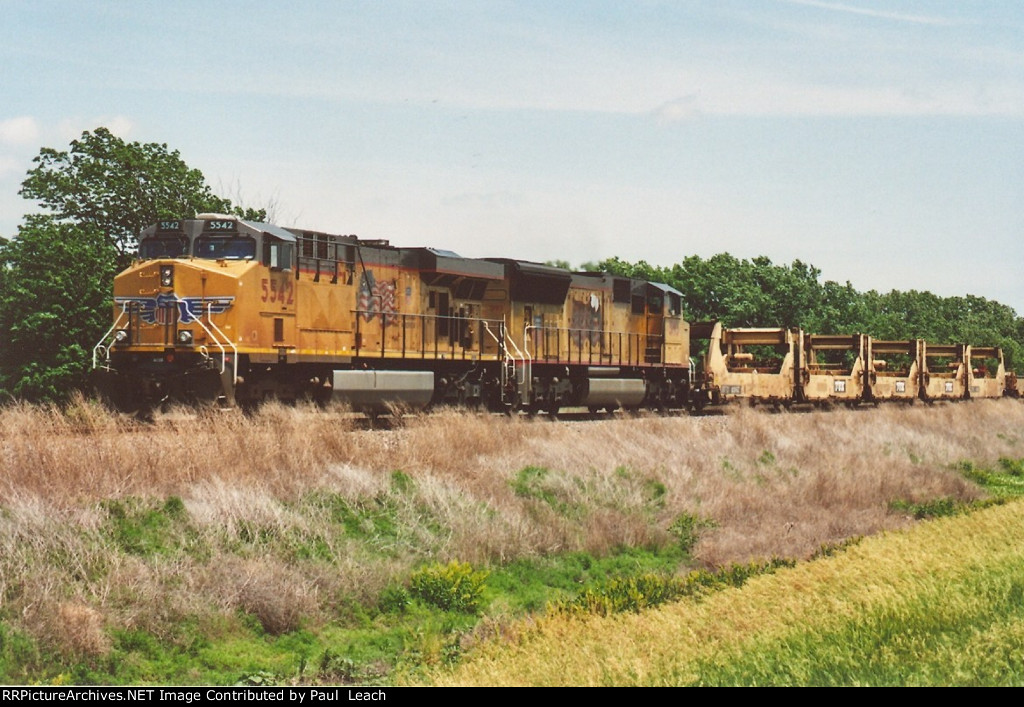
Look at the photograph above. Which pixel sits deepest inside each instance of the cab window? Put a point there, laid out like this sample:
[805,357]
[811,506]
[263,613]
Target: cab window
[151,248]
[225,247]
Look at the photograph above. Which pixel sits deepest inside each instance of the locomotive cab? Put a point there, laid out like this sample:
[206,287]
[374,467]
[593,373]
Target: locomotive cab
[176,326]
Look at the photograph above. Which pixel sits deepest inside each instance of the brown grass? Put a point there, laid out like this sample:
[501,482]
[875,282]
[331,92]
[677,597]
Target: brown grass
[770,484]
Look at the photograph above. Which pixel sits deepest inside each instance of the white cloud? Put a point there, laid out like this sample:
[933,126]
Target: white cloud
[781,98]
[119,125]
[880,14]
[72,128]
[679,109]
[19,131]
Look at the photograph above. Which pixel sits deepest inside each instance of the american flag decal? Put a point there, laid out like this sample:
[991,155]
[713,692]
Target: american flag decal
[376,298]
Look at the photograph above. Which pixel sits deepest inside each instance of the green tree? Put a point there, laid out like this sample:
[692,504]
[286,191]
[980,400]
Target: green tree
[56,275]
[758,293]
[564,264]
[54,306]
[119,188]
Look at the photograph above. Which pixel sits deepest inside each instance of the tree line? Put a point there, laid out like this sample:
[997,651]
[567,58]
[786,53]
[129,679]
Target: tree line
[759,293]
[93,199]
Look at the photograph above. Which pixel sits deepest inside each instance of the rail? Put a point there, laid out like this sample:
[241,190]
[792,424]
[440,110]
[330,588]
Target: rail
[213,337]
[106,347]
[594,346]
[522,375]
[454,329]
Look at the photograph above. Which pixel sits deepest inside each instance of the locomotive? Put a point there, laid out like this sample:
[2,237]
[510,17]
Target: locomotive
[220,308]
[217,307]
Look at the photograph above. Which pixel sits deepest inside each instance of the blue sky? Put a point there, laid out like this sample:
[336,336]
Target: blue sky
[882,142]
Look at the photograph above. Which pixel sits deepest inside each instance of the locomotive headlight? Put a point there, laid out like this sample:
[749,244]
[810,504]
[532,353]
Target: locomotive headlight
[167,276]
[121,336]
[185,337]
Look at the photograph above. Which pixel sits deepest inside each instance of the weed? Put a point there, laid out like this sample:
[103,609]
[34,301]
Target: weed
[973,473]
[527,483]
[260,678]
[365,519]
[638,592]
[394,599]
[452,587]
[936,508]
[656,492]
[686,529]
[1006,482]
[1013,467]
[338,668]
[139,530]
[832,549]
[534,482]
[401,482]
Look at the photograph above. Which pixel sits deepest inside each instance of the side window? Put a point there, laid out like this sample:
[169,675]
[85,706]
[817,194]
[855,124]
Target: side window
[620,290]
[277,255]
[675,305]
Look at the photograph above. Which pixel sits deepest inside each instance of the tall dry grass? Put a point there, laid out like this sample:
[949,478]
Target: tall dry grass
[261,496]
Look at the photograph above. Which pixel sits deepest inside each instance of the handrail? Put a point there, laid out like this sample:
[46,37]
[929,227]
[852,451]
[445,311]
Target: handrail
[217,338]
[504,345]
[416,315]
[490,333]
[511,353]
[99,345]
[586,342]
[213,337]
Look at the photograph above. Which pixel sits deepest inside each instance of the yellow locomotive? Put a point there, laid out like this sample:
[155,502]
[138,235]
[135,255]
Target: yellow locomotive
[218,307]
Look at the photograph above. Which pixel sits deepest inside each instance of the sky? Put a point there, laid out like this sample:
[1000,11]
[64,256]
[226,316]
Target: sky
[881,142]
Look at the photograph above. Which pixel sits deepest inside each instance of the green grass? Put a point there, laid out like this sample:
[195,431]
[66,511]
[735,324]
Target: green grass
[548,489]
[532,584]
[138,527]
[636,592]
[1002,482]
[966,632]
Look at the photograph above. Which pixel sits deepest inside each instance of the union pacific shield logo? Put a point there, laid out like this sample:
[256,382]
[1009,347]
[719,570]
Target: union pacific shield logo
[161,309]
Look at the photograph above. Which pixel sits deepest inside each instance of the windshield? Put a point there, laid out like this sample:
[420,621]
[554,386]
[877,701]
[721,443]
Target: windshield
[163,247]
[225,247]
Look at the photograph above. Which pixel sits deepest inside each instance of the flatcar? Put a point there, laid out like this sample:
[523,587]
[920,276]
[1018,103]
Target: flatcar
[220,308]
[783,367]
